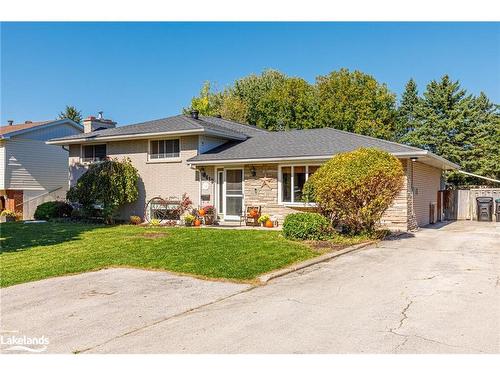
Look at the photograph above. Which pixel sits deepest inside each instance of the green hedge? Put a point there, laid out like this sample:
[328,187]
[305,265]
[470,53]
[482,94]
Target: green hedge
[53,210]
[306,226]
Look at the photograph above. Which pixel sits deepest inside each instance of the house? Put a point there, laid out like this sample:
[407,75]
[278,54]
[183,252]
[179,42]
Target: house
[31,171]
[230,165]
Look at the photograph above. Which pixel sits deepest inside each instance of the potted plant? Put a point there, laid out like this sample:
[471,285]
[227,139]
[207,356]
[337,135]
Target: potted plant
[8,215]
[209,214]
[188,220]
[265,220]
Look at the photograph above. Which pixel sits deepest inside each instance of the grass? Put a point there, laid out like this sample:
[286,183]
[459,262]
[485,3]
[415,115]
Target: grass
[36,251]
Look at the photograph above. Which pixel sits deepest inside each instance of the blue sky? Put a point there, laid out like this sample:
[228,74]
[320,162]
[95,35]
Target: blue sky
[142,71]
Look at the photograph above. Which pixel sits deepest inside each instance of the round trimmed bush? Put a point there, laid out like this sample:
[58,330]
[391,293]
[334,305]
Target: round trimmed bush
[354,188]
[306,226]
[53,210]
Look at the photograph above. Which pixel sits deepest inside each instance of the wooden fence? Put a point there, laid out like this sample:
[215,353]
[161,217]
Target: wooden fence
[461,204]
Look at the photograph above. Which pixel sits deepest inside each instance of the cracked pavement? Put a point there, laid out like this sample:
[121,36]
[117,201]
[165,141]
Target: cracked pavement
[437,292]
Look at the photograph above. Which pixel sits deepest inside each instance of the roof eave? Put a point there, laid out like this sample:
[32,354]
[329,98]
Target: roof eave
[97,139]
[53,123]
[445,164]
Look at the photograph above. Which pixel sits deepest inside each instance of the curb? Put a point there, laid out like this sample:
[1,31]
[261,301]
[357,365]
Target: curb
[311,262]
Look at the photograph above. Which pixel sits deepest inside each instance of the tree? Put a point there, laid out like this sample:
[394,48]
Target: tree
[290,104]
[356,102]
[71,113]
[110,183]
[207,103]
[459,127]
[355,188]
[408,110]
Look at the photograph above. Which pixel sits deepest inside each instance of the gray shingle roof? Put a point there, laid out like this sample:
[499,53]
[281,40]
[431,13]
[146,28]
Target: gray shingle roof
[298,143]
[225,128]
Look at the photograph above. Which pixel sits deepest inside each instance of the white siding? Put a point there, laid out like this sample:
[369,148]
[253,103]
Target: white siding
[2,166]
[34,165]
[207,143]
[50,132]
[426,184]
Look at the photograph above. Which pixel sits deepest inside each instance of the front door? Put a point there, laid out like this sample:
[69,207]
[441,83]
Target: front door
[233,193]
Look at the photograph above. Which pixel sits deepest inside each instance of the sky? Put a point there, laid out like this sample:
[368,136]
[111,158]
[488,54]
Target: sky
[143,71]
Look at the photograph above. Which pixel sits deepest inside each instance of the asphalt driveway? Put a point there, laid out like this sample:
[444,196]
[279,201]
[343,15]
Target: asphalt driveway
[435,292]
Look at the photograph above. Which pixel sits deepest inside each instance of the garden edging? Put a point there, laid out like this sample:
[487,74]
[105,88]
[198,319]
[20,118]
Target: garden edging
[310,262]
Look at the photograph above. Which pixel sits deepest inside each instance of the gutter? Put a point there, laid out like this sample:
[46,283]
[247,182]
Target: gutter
[406,155]
[96,138]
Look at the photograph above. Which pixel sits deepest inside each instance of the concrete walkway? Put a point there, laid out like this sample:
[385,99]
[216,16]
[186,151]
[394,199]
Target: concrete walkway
[435,292]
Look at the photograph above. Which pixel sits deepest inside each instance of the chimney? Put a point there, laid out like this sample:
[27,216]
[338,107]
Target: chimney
[10,122]
[194,114]
[91,123]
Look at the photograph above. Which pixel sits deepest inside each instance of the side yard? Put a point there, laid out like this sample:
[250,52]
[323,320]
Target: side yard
[32,252]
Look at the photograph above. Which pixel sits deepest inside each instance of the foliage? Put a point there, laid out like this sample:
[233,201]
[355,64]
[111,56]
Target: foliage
[37,251]
[207,103]
[306,226]
[407,110]
[154,223]
[263,218]
[110,183]
[8,213]
[72,113]
[52,210]
[457,126]
[356,102]
[209,209]
[135,220]
[188,219]
[355,188]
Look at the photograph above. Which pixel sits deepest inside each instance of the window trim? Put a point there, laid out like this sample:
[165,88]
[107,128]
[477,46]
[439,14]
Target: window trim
[82,153]
[173,159]
[280,184]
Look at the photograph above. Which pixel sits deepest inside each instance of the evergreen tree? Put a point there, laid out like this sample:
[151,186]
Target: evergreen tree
[408,110]
[72,113]
[459,127]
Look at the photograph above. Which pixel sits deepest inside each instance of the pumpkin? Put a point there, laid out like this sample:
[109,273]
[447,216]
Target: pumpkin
[269,224]
[197,223]
[201,212]
[254,213]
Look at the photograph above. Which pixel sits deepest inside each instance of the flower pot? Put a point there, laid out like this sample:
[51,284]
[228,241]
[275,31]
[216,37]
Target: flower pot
[269,224]
[209,219]
[197,223]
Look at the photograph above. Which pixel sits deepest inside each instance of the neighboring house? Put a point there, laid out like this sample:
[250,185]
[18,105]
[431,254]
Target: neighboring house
[231,165]
[31,171]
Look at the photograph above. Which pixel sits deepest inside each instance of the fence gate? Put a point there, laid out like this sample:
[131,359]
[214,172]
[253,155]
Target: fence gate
[461,204]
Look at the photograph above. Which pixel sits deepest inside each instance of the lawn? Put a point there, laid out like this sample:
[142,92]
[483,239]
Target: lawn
[36,251]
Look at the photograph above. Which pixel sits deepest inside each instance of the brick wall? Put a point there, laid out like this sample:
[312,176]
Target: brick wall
[162,179]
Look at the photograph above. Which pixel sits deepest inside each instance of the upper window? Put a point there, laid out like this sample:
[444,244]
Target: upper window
[293,179]
[164,149]
[93,153]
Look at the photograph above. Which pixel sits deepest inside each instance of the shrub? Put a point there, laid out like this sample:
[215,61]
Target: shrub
[354,188]
[53,210]
[10,214]
[263,218]
[306,226]
[135,220]
[109,184]
[155,223]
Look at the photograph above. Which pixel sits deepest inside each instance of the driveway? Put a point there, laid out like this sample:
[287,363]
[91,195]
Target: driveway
[435,292]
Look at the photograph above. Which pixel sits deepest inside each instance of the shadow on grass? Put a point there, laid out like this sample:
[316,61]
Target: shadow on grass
[20,236]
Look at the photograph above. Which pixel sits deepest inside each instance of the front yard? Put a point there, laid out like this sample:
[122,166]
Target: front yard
[36,251]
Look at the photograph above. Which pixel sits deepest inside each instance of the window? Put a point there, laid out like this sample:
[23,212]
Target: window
[293,179]
[94,153]
[164,149]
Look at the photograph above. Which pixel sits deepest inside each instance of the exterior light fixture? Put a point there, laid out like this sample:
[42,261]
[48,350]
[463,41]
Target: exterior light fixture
[414,159]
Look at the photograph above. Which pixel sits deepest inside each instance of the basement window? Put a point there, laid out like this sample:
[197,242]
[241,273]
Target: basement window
[94,153]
